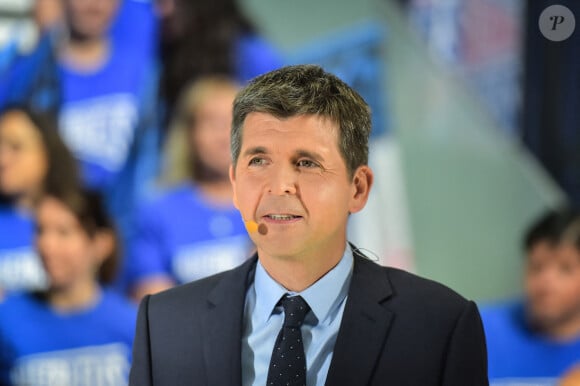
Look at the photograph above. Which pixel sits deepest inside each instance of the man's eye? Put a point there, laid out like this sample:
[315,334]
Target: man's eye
[306,164]
[257,161]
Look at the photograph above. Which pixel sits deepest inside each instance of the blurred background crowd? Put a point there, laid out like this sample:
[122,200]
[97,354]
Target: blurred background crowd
[114,156]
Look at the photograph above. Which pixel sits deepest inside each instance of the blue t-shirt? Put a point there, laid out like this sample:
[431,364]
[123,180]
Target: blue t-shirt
[20,266]
[517,355]
[181,236]
[99,114]
[89,347]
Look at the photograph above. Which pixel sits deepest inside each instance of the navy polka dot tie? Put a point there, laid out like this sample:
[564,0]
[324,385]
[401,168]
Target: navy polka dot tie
[288,363]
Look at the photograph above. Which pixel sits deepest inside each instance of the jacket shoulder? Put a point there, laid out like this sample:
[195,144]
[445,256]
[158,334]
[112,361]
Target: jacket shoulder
[189,295]
[414,294]
[198,294]
[415,286]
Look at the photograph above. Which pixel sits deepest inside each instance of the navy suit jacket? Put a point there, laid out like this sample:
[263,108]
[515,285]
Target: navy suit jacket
[397,329]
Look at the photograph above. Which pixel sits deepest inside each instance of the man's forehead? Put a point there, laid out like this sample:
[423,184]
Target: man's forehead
[264,117]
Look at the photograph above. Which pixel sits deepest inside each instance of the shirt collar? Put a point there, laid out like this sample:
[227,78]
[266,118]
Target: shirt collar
[322,296]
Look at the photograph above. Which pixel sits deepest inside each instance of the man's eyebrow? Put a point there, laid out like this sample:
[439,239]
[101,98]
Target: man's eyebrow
[255,150]
[309,154]
[300,153]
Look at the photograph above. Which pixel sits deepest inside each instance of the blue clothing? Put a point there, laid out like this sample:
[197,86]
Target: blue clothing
[263,319]
[182,236]
[100,112]
[135,26]
[20,266]
[520,356]
[89,347]
[8,53]
[33,78]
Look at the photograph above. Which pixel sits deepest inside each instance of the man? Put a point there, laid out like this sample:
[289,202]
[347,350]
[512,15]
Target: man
[300,147]
[535,340]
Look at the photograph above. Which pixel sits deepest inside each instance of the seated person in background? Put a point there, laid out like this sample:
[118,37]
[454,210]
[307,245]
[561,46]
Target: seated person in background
[32,157]
[536,339]
[193,230]
[76,332]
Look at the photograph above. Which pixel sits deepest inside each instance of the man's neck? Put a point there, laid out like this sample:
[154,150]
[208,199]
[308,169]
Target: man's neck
[297,273]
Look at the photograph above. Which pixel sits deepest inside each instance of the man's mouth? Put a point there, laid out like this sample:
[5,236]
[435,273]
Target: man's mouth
[282,217]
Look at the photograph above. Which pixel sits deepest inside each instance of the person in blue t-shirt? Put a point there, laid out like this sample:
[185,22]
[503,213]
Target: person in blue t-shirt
[32,157]
[192,230]
[76,332]
[103,89]
[536,340]
[206,37]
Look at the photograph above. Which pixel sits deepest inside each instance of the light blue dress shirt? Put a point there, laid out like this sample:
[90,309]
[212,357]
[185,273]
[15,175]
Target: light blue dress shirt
[263,320]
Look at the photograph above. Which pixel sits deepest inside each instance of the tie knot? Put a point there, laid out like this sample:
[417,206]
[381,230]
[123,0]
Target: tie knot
[295,309]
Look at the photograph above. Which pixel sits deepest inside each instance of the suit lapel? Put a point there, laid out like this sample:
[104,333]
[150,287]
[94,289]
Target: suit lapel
[222,326]
[364,327]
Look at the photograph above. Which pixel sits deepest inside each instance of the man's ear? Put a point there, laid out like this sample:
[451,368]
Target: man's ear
[233,182]
[362,182]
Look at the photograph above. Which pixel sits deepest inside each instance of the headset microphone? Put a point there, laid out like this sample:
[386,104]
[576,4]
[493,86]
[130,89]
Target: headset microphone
[252,226]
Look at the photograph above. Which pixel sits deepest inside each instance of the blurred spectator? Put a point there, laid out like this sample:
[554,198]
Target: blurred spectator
[104,92]
[207,37]
[32,157]
[193,229]
[76,332]
[535,340]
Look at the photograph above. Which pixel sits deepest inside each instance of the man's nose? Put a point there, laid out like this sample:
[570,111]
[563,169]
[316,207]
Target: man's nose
[283,180]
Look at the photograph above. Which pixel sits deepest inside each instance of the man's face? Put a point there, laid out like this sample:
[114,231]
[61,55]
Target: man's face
[291,176]
[552,283]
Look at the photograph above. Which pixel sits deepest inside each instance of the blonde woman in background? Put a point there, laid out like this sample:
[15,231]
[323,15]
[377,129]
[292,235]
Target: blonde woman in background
[192,229]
